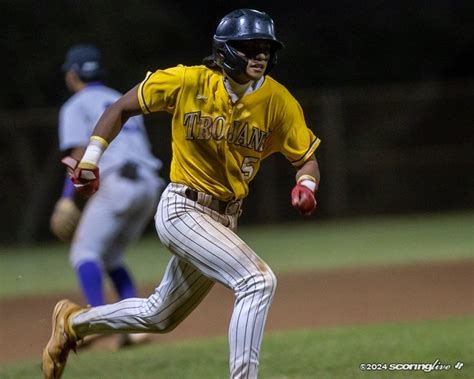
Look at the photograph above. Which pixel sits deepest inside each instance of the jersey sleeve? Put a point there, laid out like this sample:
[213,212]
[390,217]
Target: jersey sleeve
[74,130]
[291,136]
[160,89]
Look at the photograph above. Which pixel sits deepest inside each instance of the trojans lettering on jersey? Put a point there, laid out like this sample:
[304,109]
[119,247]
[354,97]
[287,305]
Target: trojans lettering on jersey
[239,133]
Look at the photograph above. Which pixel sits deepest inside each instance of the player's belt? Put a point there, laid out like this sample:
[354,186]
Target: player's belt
[223,207]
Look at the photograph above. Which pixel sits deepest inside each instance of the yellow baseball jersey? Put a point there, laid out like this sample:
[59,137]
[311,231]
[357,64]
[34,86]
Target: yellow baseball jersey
[218,145]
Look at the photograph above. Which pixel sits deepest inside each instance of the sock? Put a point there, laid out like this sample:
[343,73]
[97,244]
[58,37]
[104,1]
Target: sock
[123,282]
[90,278]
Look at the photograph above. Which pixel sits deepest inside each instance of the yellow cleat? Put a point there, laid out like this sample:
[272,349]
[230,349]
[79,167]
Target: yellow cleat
[62,341]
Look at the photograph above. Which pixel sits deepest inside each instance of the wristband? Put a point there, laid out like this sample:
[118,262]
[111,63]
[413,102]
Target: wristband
[308,184]
[101,140]
[94,151]
[308,181]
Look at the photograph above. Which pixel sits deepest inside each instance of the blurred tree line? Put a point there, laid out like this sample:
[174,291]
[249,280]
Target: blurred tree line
[328,43]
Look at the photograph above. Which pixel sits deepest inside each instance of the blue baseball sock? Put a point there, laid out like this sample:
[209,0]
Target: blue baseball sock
[123,282]
[89,274]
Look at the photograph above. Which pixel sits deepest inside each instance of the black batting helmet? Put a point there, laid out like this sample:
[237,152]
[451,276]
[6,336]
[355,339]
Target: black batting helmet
[242,25]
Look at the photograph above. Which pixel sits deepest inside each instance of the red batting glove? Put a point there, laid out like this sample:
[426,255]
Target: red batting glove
[303,199]
[86,180]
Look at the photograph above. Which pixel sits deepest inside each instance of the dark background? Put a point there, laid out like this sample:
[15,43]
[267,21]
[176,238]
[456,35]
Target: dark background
[387,85]
[327,43]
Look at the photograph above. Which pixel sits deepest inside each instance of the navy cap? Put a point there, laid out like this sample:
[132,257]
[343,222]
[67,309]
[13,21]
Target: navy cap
[85,60]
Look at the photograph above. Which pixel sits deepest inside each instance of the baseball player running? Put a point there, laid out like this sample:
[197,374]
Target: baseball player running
[129,192]
[228,115]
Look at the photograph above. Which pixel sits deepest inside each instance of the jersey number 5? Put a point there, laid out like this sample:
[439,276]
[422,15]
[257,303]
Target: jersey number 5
[248,167]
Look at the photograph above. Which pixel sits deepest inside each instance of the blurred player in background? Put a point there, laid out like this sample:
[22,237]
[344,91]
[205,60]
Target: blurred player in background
[101,230]
[228,115]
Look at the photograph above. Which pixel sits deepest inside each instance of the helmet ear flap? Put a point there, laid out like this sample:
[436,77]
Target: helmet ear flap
[219,54]
[228,59]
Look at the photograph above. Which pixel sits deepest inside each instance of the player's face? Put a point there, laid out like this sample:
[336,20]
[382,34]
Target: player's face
[69,80]
[257,52]
[73,83]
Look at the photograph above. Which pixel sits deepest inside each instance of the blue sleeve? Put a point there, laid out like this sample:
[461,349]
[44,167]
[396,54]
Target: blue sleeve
[68,189]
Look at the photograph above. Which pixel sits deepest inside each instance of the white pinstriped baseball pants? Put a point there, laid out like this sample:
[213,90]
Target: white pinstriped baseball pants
[205,250]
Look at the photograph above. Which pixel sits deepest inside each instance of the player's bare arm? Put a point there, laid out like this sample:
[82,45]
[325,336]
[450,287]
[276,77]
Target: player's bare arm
[311,168]
[77,152]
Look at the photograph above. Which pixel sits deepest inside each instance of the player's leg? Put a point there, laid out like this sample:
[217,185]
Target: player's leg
[182,288]
[144,191]
[201,241]
[205,239]
[94,235]
[86,250]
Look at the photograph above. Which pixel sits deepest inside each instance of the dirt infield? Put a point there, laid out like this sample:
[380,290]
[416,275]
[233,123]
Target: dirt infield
[308,300]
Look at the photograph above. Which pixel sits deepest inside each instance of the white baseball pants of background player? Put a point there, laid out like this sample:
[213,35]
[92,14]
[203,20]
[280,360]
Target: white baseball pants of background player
[114,217]
[205,250]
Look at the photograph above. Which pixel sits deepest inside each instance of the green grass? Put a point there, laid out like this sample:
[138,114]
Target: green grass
[330,353]
[362,242]
[293,247]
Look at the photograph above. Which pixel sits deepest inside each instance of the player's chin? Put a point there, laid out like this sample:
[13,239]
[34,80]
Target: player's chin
[255,73]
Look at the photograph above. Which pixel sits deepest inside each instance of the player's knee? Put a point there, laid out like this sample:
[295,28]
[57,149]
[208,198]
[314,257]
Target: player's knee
[163,326]
[264,282]
[158,320]
[268,278]
[270,282]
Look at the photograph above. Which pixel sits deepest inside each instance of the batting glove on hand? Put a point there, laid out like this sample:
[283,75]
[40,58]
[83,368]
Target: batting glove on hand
[85,179]
[303,198]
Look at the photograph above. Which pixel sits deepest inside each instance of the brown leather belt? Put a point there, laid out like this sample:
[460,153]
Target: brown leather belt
[223,207]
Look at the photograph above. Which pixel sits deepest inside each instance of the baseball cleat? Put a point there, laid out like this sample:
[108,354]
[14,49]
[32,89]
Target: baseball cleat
[63,339]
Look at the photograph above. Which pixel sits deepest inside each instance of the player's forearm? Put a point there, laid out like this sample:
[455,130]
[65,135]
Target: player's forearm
[309,170]
[110,123]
